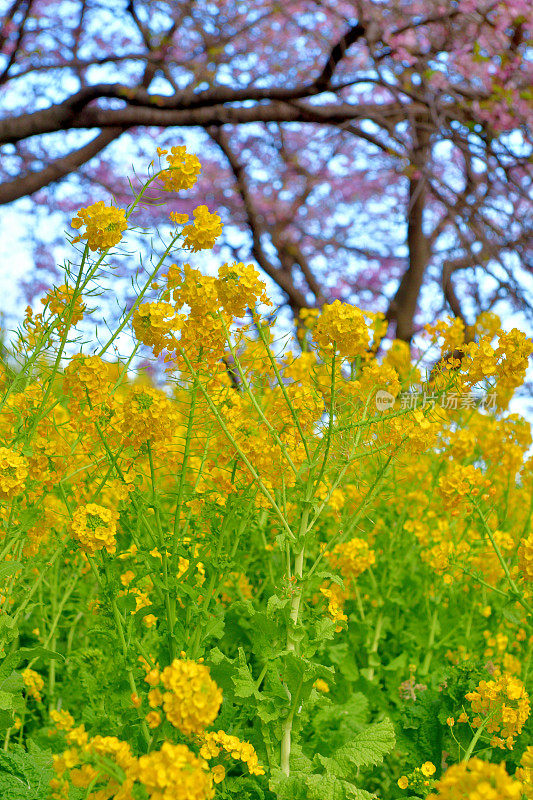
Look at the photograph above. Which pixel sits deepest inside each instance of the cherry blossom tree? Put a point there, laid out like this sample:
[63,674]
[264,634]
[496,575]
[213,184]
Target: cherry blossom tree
[373,151]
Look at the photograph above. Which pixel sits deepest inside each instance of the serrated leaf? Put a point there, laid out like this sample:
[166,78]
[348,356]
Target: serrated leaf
[336,724]
[25,654]
[302,786]
[293,787]
[8,628]
[243,679]
[329,787]
[275,605]
[8,568]
[362,794]
[25,775]
[367,749]
[6,701]
[299,762]
[12,683]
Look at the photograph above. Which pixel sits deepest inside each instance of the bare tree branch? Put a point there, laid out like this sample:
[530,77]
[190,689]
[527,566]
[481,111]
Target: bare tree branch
[9,18]
[4,76]
[57,169]
[338,52]
[296,298]
[66,116]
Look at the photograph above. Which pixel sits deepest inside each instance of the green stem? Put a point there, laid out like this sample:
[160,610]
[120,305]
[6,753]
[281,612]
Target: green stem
[138,299]
[282,386]
[517,595]
[256,405]
[375,644]
[242,455]
[186,451]
[330,425]
[120,630]
[164,556]
[475,739]
[431,642]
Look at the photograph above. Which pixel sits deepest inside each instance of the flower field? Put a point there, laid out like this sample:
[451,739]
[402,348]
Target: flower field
[262,570]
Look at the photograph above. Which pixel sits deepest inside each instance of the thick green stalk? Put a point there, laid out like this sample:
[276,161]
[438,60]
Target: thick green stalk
[431,641]
[294,613]
[375,644]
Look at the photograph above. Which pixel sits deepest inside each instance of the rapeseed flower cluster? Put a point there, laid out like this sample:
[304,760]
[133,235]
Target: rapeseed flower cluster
[62,719]
[182,171]
[335,598]
[505,701]
[191,700]
[525,558]
[351,558]
[61,298]
[476,779]
[419,779]
[13,473]
[155,325]
[86,380]
[417,432]
[505,364]
[189,286]
[212,743]
[343,328]
[174,773]
[33,683]
[238,287]
[449,332]
[95,527]
[89,763]
[203,232]
[460,481]
[487,323]
[146,416]
[524,773]
[104,225]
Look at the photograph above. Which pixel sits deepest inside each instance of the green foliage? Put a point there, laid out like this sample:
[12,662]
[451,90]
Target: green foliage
[25,774]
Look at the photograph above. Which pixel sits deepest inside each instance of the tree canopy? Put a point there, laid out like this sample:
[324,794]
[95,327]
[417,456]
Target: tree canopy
[375,152]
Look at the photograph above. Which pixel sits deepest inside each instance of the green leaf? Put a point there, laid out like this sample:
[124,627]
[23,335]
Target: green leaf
[301,786]
[25,775]
[275,605]
[293,787]
[367,748]
[12,683]
[8,628]
[329,787]
[243,679]
[8,568]
[25,654]
[299,762]
[335,724]
[398,663]
[6,701]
